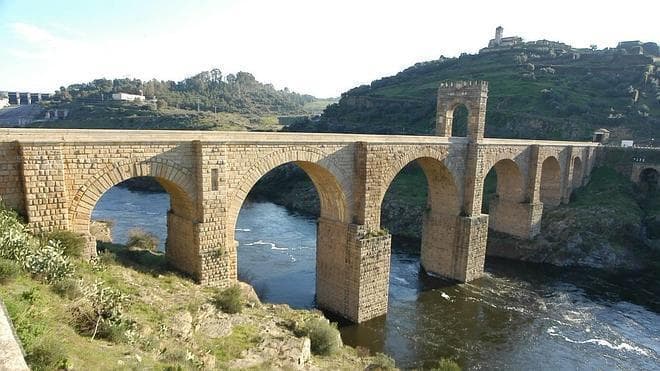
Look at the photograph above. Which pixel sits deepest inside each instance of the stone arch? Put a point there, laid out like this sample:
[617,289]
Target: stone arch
[550,187]
[510,182]
[332,185]
[577,173]
[176,180]
[457,116]
[428,154]
[443,206]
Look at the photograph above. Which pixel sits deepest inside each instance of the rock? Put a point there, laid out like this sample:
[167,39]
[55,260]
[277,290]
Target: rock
[181,324]
[281,353]
[213,323]
[101,230]
[248,293]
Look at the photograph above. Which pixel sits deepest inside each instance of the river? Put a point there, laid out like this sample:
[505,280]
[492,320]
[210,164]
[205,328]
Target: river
[520,316]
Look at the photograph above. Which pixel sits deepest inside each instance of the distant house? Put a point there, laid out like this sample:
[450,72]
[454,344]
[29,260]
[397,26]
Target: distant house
[627,143]
[127,97]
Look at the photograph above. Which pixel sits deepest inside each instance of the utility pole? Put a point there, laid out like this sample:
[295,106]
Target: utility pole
[197,105]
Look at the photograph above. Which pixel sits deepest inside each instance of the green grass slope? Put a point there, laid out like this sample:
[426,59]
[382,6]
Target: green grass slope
[551,92]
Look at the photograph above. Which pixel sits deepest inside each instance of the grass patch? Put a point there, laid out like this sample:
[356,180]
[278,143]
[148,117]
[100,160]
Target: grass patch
[9,270]
[242,337]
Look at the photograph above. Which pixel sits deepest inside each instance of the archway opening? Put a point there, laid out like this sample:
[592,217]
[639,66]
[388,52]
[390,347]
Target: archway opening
[502,182]
[147,223]
[550,182]
[276,228]
[648,180]
[419,209]
[577,173]
[459,117]
[502,196]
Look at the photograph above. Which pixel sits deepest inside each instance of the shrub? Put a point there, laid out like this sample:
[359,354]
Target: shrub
[445,364]
[100,312]
[72,244]
[141,240]
[229,300]
[68,288]
[324,337]
[8,270]
[47,354]
[48,263]
[382,362]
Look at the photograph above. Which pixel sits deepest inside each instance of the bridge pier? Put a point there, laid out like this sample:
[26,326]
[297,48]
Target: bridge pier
[520,219]
[352,270]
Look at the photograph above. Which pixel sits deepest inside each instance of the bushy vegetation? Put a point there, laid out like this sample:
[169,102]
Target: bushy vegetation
[207,90]
[139,239]
[445,364]
[45,261]
[72,243]
[229,300]
[323,335]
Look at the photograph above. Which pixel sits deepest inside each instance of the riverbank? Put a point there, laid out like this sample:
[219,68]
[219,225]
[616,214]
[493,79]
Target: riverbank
[128,310]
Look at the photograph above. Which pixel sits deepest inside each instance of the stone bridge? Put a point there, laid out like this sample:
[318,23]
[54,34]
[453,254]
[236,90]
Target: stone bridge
[55,178]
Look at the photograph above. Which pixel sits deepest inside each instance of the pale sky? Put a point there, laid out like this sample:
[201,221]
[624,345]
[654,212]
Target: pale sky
[317,47]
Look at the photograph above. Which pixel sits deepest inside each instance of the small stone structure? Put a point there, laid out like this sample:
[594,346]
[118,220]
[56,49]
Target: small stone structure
[55,177]
[601,136]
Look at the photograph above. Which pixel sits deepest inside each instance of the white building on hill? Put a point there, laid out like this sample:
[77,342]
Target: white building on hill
[127,97]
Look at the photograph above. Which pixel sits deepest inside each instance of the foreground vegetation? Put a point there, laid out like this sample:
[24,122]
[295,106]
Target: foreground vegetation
[127,310]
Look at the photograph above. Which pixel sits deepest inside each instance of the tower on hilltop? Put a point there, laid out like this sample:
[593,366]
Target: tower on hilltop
[498,35]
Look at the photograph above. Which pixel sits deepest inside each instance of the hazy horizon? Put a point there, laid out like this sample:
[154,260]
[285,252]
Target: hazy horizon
[320,48]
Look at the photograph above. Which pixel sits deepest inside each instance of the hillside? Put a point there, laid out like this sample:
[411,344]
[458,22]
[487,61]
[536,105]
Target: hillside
[206,91]
[537,89]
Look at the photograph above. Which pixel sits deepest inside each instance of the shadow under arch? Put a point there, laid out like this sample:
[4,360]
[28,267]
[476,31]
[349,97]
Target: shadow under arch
[578,173]
[442,208]
[181,249]
[504,199]
[458,116]
[550,187]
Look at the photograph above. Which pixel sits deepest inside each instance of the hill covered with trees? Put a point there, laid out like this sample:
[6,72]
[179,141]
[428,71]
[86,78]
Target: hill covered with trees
[207,91]
[539,89]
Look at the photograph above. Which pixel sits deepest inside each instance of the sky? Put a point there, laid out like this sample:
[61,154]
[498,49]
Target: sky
[316,47]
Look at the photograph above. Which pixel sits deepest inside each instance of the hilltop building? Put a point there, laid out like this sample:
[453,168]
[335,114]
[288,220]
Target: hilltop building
[127,97]
[503,42]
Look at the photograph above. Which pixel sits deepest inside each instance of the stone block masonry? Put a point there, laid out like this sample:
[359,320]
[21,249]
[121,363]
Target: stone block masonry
[56,177]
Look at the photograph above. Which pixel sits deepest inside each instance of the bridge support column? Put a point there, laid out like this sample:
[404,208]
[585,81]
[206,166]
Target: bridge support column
[438,252]
[183,255]
[522,220]
[46,198]
[470,247]
[215,262]
[352,270]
